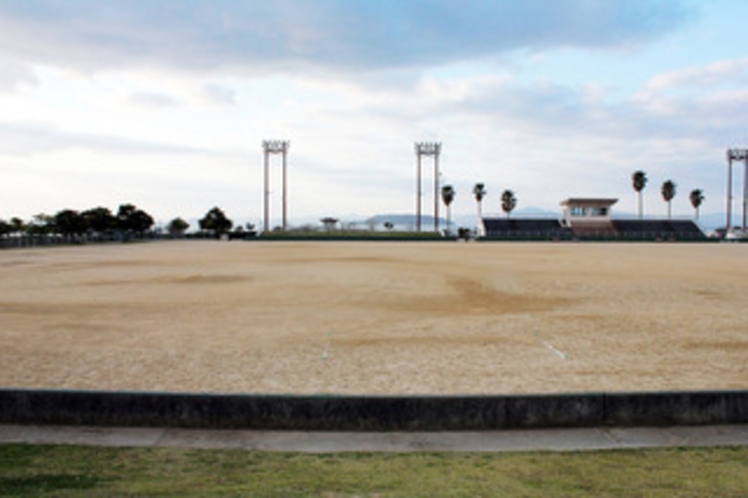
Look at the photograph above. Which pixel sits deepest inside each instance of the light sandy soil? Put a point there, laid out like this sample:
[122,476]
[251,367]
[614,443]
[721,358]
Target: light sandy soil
[377,318]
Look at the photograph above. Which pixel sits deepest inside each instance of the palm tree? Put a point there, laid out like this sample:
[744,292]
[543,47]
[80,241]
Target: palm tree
[479,191]
[697,197]
[448,195]
[508,202]
[639,180]
[668,193]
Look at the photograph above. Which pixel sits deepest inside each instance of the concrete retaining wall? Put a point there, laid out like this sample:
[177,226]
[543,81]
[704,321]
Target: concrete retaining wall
[370,413]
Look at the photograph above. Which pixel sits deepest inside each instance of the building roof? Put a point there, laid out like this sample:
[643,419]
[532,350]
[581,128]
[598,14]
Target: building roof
[588,202]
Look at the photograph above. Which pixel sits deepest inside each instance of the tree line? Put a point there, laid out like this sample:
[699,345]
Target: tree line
[70,222]
[126,223]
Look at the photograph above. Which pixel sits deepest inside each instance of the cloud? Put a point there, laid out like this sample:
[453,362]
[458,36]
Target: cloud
[547,137]
[218,95]
[696,103]
[149,100]
[24,139]
[15,75]
[720,73]
[293,35]
[693,105]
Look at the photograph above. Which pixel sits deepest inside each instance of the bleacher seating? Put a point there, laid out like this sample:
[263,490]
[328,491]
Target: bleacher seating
[524,228]
[551,229]
[658,230]
[687,230]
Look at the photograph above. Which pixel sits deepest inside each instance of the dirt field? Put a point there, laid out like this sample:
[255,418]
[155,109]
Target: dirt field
[380,318]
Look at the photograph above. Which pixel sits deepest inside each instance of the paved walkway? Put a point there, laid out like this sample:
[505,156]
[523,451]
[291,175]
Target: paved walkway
[336,442]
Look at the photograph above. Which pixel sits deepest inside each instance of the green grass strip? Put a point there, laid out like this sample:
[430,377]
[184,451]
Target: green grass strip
[90,471]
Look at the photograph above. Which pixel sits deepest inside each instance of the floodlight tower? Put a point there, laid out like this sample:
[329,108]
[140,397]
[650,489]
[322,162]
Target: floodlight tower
[428,149]
[736,155]
[275,147]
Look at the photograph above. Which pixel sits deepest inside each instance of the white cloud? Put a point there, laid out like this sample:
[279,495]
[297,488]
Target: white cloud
[253,37]
[458,90]
[215,94]
[150,100]
[717,74]
[26,139]
[15,75]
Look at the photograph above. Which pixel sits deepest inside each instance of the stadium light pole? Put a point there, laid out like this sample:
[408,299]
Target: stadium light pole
[428,149]
[275,147]
[736,155]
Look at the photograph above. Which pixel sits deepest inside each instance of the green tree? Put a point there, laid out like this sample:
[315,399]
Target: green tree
[479,191]
[696,197]
[142,221]
[18,225]
[216,222]
[99,219]
[130,219]
[124,217]
[5,228]
[639,181]
[508,202]
[448,195]
[42,224]
[177,227]
[69,222]
[668,193]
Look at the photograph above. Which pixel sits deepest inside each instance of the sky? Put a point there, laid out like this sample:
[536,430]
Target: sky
[165,104]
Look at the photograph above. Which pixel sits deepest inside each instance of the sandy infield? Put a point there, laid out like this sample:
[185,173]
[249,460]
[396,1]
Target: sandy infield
[378,318]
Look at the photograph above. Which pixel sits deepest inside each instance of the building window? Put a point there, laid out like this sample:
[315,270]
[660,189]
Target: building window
[578,211]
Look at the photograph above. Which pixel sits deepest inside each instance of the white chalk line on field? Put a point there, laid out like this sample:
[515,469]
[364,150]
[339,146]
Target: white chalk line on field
[561,354]
[558,352]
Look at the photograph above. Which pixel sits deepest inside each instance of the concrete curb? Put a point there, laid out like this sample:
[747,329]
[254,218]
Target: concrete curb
[371,413]
[587,439]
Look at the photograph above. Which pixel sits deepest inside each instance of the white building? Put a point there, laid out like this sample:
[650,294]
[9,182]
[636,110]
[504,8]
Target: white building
[588,216]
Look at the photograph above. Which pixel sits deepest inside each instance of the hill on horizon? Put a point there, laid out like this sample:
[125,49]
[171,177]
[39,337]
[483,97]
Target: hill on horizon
[405,221]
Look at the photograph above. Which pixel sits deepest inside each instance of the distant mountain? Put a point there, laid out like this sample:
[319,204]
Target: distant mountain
[408,221]
[533,212]
[402,221]
[712,221]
